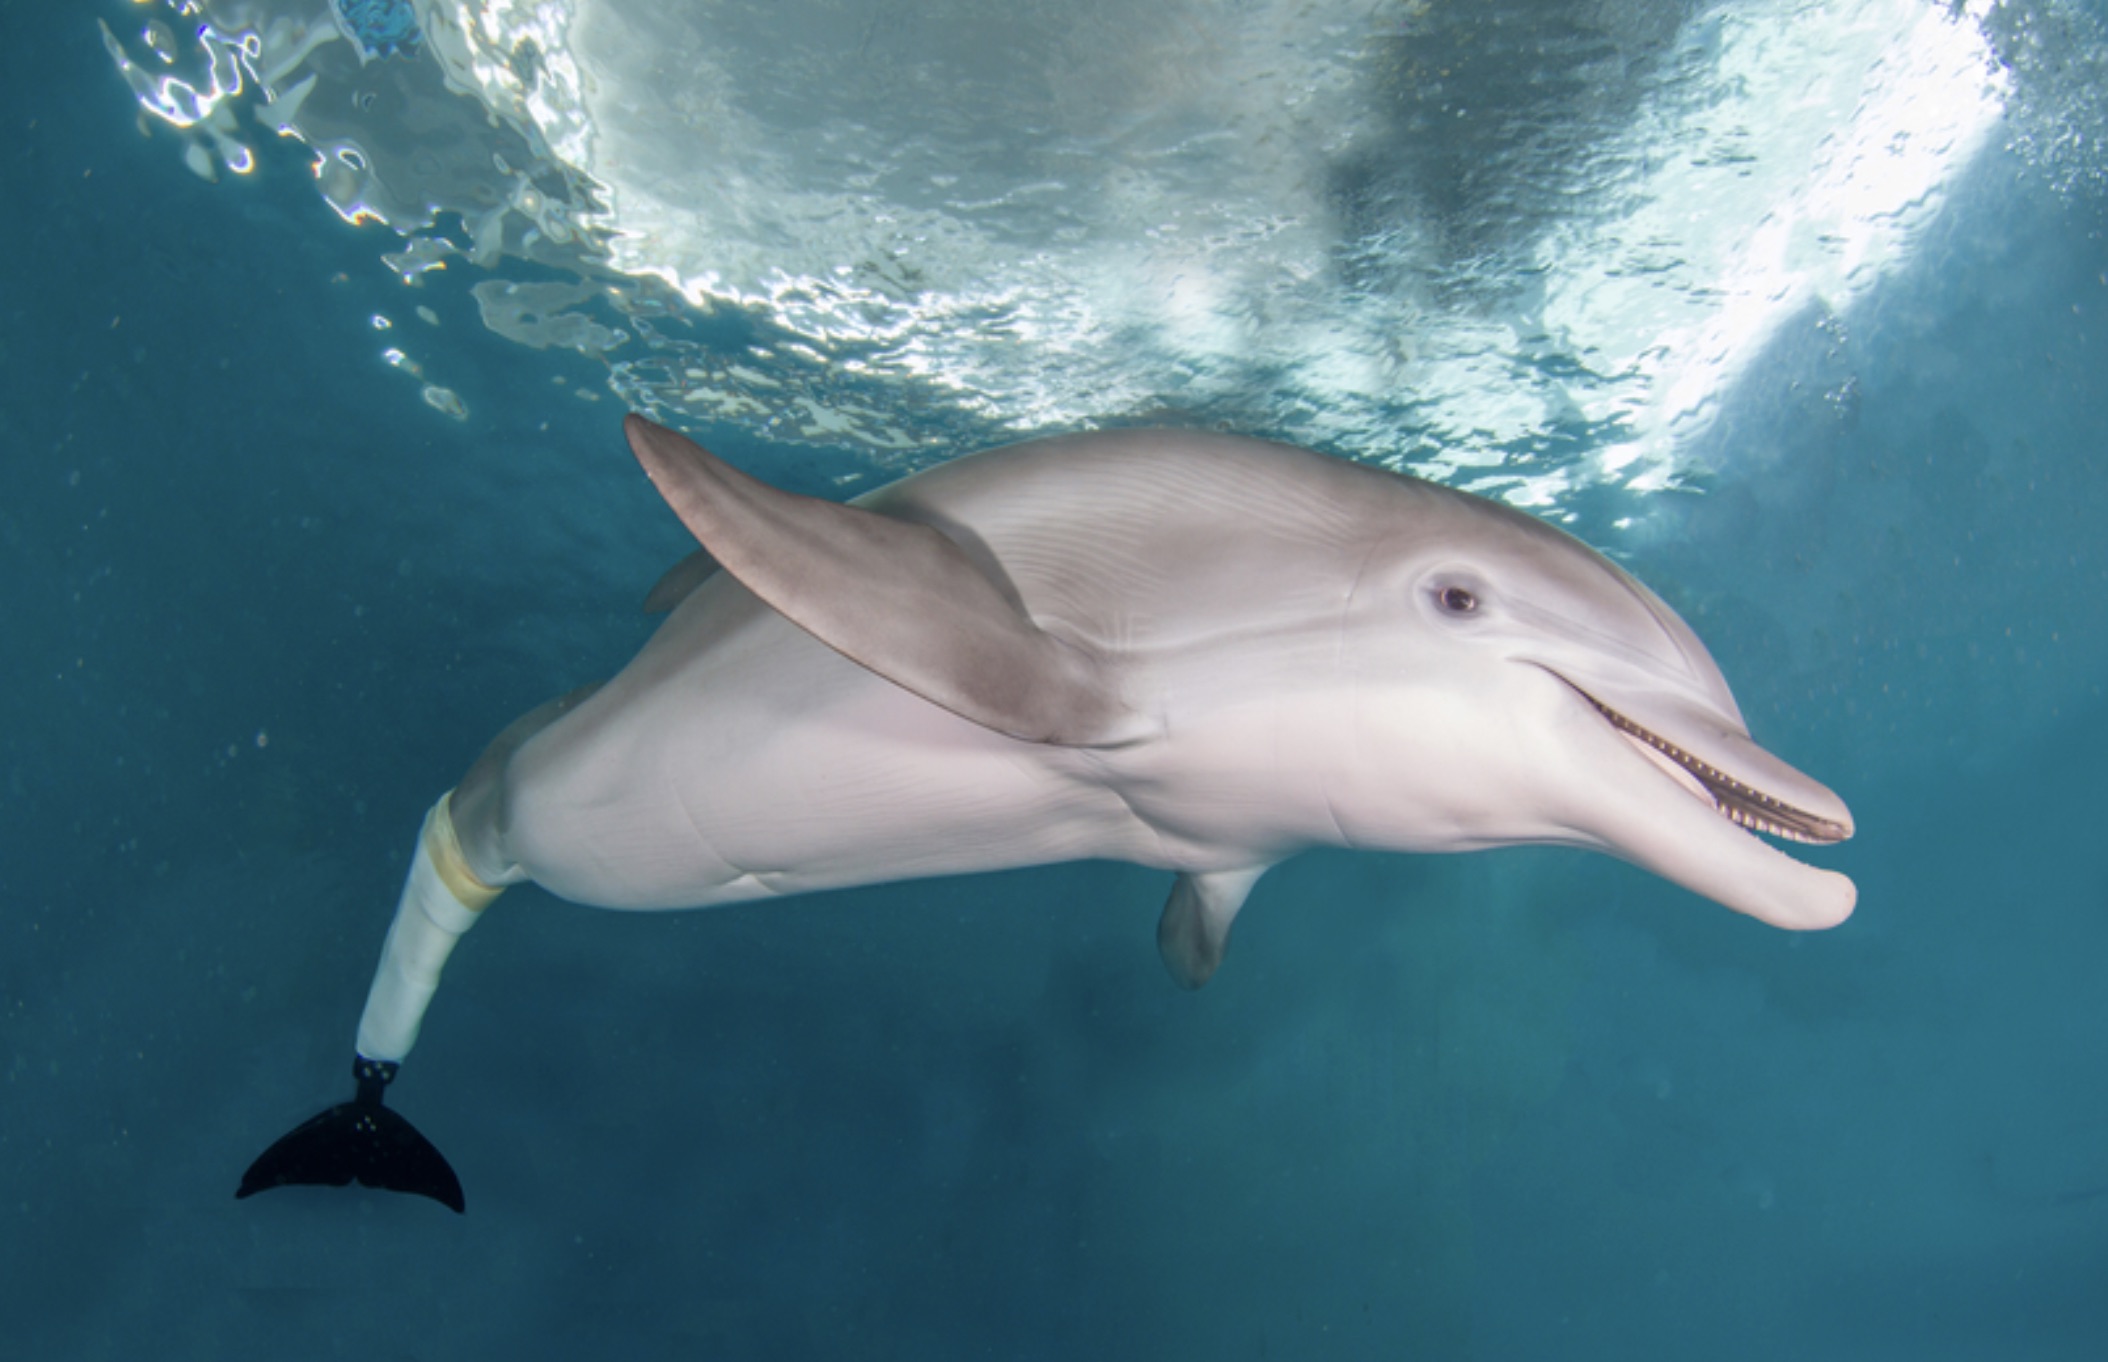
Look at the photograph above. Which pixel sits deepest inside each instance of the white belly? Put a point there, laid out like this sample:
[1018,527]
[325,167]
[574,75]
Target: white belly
[737,757]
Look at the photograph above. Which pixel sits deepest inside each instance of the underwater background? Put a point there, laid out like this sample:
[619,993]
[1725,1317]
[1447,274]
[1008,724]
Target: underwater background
[317,324]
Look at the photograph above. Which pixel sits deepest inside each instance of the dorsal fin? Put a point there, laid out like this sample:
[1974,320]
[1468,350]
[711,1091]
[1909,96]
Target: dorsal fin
[680,582]
[893,596]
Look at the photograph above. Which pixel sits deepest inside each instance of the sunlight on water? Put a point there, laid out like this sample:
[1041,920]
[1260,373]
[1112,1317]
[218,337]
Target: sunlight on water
[903,228]
[1814,178]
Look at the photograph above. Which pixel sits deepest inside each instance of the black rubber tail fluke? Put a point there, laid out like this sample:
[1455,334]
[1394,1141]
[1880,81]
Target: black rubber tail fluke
[357,1141]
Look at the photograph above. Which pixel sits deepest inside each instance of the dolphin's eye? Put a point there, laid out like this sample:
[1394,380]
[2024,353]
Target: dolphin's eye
[1457,600]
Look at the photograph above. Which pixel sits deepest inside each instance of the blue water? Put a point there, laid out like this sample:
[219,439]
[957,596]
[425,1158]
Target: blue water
[260,603]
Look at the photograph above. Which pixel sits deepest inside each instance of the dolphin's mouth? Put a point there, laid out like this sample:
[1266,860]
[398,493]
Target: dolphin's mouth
[1744,805]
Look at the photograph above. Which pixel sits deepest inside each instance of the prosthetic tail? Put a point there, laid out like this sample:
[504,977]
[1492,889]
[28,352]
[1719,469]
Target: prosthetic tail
[357,1141]
[362,1140]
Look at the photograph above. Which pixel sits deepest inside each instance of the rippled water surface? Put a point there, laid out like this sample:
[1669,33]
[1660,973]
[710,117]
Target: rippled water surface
[1456,239]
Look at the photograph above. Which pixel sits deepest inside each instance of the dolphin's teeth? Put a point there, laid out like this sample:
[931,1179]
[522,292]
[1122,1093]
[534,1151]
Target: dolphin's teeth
[1744,818]
[1743,805]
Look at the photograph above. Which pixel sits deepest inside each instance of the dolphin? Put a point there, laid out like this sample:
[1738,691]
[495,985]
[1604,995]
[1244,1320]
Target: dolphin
[1191,651]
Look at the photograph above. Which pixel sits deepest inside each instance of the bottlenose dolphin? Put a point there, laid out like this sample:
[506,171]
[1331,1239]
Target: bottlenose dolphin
[1190,651]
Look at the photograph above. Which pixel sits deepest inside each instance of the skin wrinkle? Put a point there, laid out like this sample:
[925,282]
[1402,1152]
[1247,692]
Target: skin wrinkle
[740,873]
[1339,655]
[1100,779]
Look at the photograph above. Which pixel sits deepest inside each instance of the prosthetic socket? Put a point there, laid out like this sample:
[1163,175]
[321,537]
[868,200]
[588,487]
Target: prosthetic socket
[441,899]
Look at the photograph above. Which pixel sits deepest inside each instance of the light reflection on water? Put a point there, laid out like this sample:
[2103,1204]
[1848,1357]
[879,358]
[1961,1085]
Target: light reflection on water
[1502,246]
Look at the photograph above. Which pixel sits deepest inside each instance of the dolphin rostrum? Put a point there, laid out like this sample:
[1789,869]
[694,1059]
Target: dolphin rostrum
[1190,651]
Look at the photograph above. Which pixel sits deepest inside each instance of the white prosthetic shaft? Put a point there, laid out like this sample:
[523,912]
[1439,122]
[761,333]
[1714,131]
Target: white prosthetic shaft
[441,899]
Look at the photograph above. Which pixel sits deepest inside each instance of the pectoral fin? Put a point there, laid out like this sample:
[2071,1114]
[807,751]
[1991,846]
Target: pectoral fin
[896,597]
[1195,928]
